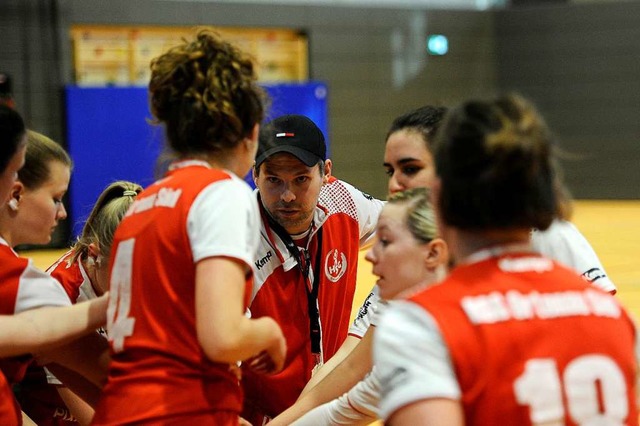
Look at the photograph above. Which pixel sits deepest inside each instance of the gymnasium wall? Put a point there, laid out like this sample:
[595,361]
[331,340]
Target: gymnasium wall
[369,59]
[30,53]
[579,62]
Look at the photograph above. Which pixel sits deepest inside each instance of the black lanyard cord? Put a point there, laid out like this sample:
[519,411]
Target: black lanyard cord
[303,258]
[312,299]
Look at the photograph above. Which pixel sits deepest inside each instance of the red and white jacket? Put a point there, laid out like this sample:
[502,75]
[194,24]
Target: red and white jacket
[347,218]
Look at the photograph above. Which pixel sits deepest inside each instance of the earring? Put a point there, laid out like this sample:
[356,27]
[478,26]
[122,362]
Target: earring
[91,261]
[13,204]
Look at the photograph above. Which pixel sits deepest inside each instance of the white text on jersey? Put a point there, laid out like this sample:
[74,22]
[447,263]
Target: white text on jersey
[498,307]
[165,197]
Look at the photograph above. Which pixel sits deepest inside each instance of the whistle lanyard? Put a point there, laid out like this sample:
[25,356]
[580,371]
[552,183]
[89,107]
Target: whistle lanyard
[303,258]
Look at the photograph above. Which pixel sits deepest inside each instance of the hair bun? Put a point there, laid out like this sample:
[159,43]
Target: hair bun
[496,166]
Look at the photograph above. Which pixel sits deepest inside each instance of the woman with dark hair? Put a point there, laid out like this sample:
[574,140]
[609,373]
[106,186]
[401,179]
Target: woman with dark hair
[13,145]
[509,337]
[409,163]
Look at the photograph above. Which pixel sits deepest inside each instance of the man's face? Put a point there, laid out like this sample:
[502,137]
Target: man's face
[289,190]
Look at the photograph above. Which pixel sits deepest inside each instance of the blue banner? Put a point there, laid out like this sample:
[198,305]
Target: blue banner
[111,136]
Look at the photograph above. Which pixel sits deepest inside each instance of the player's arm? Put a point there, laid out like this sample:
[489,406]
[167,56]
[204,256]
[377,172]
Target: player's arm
[361,324]
[351,367]
[224,332]
[79,408]
[76,383]
[432,412]
[223,242]
[359,406]
[82,411]
[86,359]
[349,344]
[45,328]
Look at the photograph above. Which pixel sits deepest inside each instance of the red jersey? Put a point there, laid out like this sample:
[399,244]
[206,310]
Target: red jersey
[73,277]
[37,394]
[9,411]
[159,372]
[24,287]
[519,340]
[347,218]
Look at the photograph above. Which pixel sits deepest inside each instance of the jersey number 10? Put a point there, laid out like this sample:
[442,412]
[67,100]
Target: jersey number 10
[541,388]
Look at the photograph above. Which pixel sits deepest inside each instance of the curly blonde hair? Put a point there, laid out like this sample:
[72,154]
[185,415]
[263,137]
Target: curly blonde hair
[205,92]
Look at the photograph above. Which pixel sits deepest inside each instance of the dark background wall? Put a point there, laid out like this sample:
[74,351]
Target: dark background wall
[581,65]
[30,53]
[578,62]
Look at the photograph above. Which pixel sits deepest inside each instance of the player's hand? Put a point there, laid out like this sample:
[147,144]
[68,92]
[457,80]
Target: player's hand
[271,360]
[262,363]
[278,352]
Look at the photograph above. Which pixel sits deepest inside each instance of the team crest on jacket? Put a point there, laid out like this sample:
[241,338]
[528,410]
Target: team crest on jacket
[335,265]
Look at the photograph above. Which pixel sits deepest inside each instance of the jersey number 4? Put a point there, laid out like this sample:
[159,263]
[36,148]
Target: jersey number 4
[119,323]
[593,385]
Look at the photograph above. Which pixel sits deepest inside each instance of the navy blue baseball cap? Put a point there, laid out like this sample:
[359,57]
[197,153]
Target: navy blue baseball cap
[294,134]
